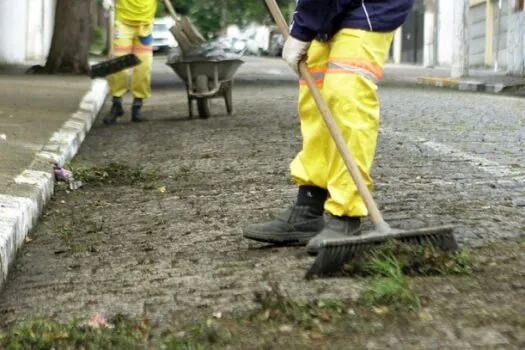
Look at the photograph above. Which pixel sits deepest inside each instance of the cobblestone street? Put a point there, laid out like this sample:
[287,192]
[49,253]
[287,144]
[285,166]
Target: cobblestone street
[172,249]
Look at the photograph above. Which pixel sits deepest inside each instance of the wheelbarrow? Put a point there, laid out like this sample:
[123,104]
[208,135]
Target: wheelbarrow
[206,80]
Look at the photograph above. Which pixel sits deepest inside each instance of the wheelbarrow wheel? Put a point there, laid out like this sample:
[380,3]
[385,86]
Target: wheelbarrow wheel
[203,104]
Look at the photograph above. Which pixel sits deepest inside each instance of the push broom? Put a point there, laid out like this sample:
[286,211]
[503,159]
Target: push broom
[334,253]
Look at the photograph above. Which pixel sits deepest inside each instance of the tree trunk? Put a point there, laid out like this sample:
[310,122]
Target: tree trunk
[69,51]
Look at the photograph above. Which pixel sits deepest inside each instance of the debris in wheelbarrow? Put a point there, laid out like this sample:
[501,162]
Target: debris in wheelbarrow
[207,51]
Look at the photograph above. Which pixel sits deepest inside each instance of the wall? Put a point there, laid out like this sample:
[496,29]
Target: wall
[499,42]
[445,35]
[516,43]
[30,27]
[477,28]
[49,25]
[429,38]
[35,31]
[13,24]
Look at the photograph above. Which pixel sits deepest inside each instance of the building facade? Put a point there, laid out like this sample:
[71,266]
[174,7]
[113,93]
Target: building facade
[496,35]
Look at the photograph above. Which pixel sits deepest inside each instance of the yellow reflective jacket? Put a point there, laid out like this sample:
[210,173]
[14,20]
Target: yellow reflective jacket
[136,10]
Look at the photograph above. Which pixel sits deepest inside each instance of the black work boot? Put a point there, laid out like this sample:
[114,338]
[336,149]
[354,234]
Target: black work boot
[135,111]
[115,112]
[295,225]
[335,227]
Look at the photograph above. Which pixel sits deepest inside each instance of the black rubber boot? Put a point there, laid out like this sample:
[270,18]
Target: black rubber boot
[115,112]
[335,227]
[296,225]
[136,116]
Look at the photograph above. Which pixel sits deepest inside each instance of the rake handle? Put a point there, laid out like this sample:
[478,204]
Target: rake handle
[350,163]
[171,10]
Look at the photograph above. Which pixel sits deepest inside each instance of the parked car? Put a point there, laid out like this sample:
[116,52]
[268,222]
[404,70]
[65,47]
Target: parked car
[233,44]
[258,39]
[163,40]
[255,39]
[233,40]
[276,45]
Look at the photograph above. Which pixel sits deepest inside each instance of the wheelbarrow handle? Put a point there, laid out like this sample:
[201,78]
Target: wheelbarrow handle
[340,142]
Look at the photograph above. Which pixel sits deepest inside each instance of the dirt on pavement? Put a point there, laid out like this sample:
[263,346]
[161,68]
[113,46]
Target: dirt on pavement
[162,239]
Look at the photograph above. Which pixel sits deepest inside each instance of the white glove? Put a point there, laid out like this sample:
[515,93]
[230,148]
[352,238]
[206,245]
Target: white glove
[107,4]
[294,51]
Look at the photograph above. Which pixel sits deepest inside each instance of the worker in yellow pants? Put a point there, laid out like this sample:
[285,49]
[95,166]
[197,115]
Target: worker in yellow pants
[346,59]
[133,33]
[347,71]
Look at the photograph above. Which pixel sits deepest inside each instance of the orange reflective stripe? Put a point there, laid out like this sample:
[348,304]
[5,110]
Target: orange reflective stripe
[136,47]
[140,47]
[317,81]
[122,47]
[370,66]
[318,69]
[317,74]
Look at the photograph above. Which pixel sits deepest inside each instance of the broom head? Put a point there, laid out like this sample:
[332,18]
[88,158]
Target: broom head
[333,254]
[114,65]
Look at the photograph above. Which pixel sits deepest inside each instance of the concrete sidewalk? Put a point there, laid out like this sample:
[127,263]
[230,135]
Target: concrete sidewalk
[487,81]
[43,119]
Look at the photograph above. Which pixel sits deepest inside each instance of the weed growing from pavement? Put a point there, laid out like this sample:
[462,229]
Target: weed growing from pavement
[276,315]
[114,173]
[66,233]
[118,333]
[389,266]
[42,333]
[389,285]
[76,233]
[277,307]
[199,337]
[280,321]
[414,260]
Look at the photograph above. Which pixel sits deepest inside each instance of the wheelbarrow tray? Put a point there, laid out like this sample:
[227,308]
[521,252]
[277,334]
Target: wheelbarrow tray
[207,79]
[225,69]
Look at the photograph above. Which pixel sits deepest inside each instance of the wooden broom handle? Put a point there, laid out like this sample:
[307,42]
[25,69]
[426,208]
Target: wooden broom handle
[373,211]
[171,10]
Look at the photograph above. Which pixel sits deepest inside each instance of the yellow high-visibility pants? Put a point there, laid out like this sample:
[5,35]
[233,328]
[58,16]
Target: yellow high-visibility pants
[137,38]
[346,70]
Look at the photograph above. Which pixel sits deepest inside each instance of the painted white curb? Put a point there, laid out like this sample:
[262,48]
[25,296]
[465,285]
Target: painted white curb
[18,215]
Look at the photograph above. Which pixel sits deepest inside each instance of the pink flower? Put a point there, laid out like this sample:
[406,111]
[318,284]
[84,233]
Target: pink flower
[97,321]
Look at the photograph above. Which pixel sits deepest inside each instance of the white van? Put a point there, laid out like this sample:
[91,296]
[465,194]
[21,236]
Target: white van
[163,40]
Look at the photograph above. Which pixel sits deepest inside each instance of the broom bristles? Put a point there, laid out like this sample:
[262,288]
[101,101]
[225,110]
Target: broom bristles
[114,65]
[335,253]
